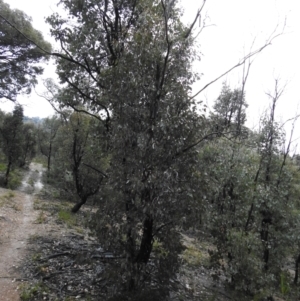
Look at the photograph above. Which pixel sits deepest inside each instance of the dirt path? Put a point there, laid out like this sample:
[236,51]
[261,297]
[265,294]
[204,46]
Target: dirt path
[17,224]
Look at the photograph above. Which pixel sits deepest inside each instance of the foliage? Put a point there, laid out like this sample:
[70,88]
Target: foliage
[230,108]
[46,138]
[18,146]
[28,143]
[80,157]
[15,179]
[12,137]
[18,56]
[67,217]
[250,193]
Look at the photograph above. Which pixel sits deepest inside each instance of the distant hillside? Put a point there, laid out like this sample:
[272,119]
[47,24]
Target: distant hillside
[35,120]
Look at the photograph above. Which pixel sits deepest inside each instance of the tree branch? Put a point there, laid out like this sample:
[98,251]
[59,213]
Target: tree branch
[95,169]
[67,58]
[240,63]
[195,20]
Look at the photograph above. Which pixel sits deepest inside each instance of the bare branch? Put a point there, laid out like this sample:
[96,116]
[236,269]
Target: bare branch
[198,15]
[95,169]
[84,95]
[161,227]
[51,101]
[241,62]
[202,139]
[168,48]
[287,151]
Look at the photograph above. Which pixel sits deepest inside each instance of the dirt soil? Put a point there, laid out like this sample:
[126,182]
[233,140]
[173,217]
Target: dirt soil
[17,224]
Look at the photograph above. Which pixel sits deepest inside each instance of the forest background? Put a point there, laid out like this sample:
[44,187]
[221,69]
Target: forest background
[131,137]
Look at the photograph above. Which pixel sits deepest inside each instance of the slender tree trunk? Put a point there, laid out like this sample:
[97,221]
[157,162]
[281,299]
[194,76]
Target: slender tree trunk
[7,173]
[134,262]
[49,158]
[264,238]
[78,205]
[26,150]
[130,244]
[147,242]
[297,270]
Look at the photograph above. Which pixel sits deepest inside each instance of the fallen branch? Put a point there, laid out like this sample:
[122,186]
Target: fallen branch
[56,255]
[14,278]
[107,257]
[53,274]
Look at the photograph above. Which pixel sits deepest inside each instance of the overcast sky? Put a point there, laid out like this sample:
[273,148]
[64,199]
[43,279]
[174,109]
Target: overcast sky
[236,24]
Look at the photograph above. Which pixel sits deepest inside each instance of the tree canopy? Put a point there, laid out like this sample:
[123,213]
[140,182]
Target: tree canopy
[130,61]
[137,142]
[18,55]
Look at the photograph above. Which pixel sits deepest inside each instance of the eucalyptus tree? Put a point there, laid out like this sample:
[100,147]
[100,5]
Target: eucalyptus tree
[249,186]
[130,63]
[29,143]
[46,138]
[19,57]
[12,139]
[230,110]
[80,161]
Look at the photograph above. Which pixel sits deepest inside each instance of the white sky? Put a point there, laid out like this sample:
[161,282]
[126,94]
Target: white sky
[236,24]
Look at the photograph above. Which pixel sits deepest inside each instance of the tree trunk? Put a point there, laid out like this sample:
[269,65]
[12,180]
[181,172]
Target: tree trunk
[24,157]
[130,244]
[297,270]
[134,262]
[7,173]
[49,158]
[147,242]
[78,205]
[264,238]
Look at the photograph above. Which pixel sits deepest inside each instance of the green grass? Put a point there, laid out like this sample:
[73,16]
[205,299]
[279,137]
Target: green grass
[56,194]
[158,249]
[2,167]
[193,256]
[36,257]
[67,217]
[7,197]
[284,285]
[41,160]
[41,205]
[29,291]
[10,194]
[15,179]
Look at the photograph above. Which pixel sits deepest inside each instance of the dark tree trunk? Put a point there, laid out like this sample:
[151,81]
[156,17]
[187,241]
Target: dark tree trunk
[143,256]
[264,237]
[24,157]
[130,242]
[297,270]
[78,205]
[147,242]
[7,173]
[49,158]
